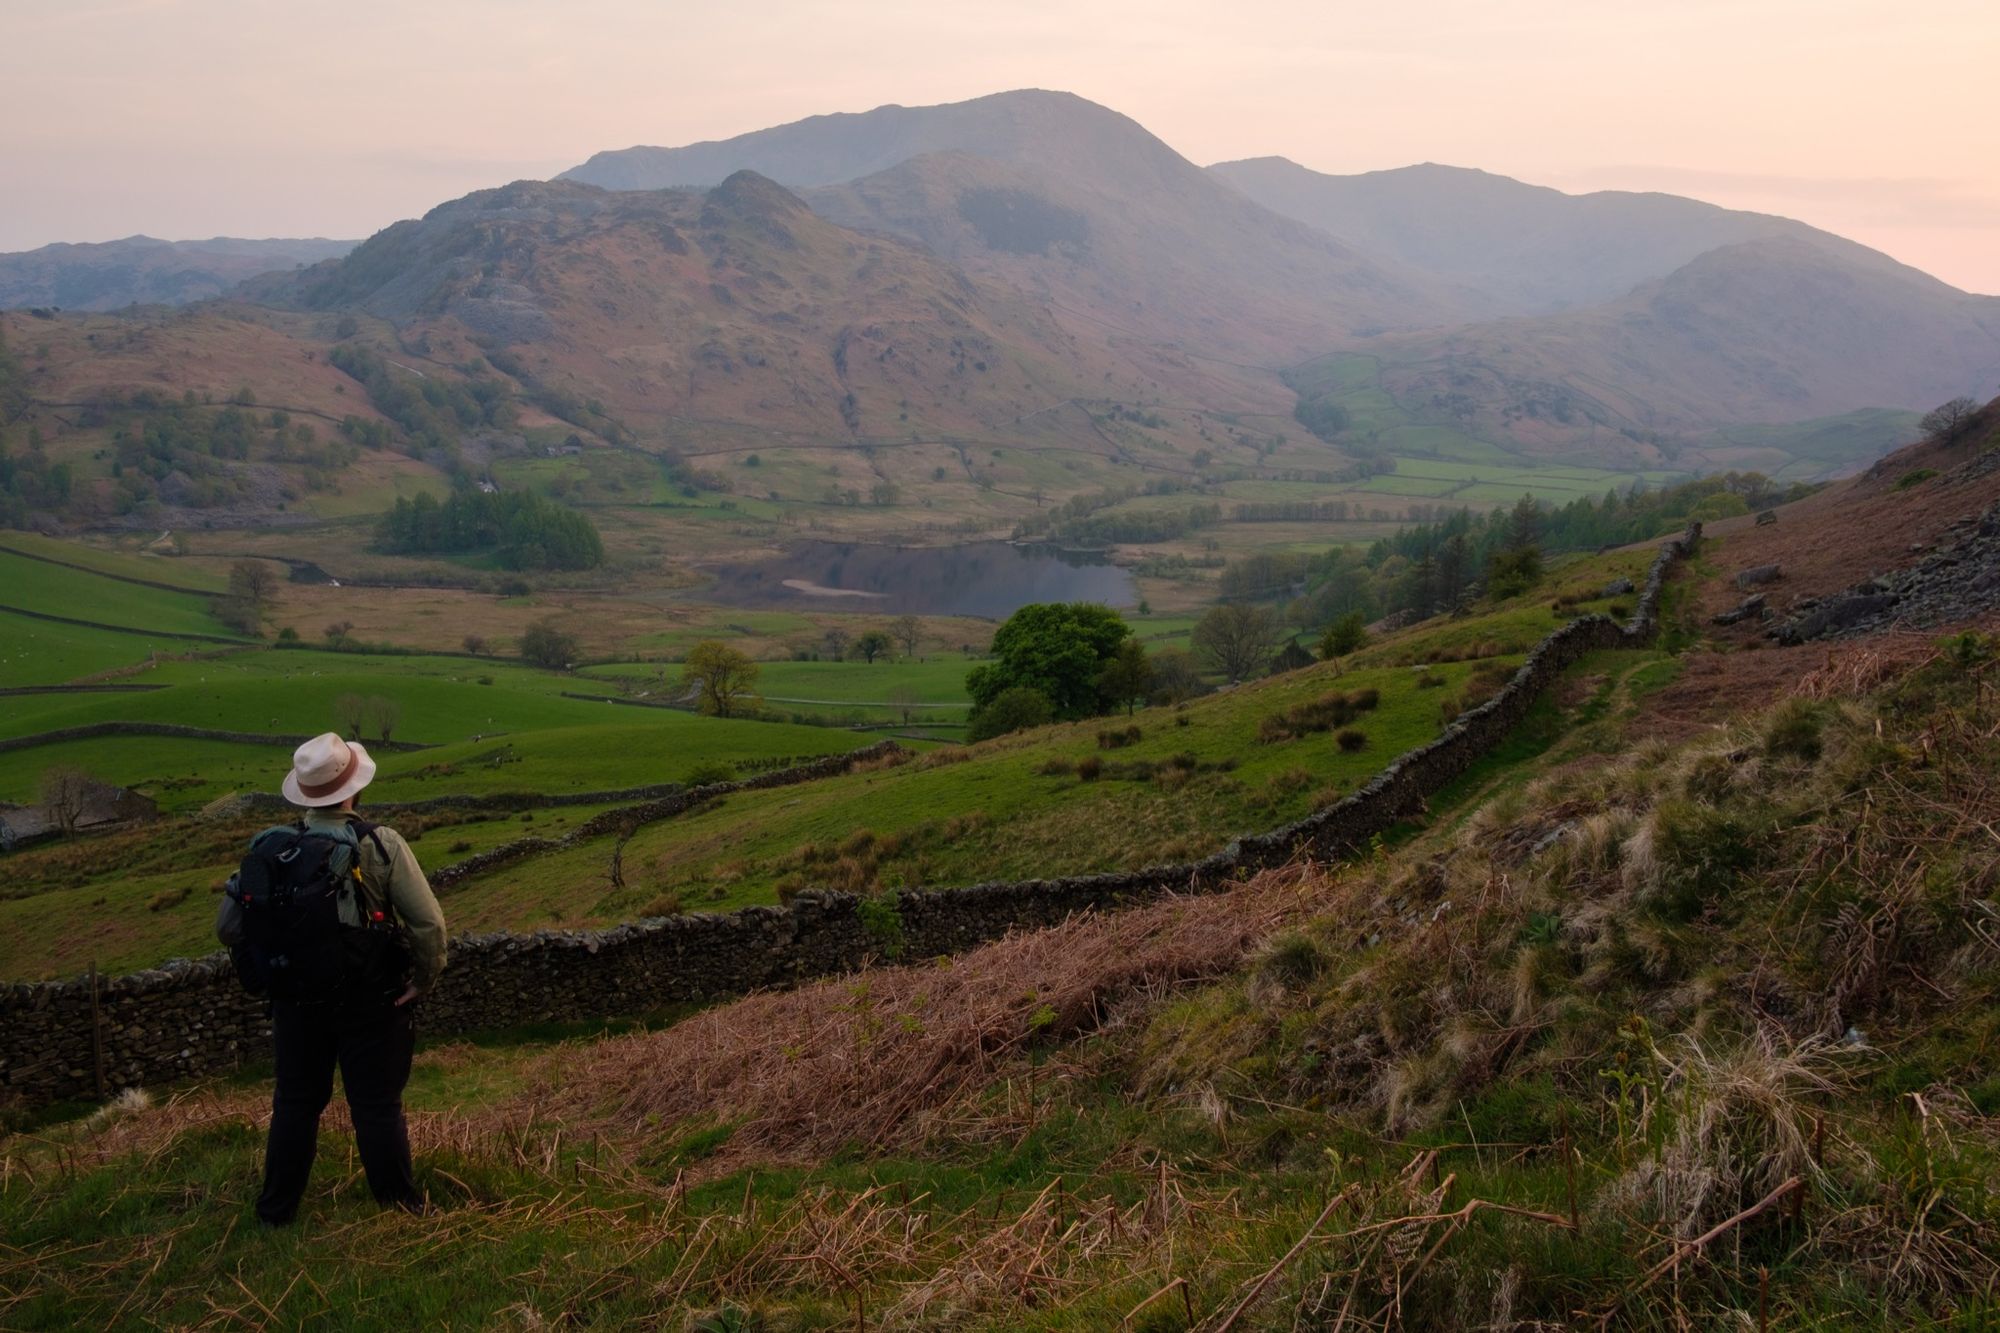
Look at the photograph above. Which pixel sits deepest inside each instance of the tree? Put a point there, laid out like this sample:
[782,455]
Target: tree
[475,644]
[337,632]
[904,700]
[722,677]
[1176,676]
[252,581]
[872,645]
[1943,423]
[1454,568]
[908,631]
[65,790]
[1015,708]
[834,645]
[546,646]
[1237,640]
[383,714]
[350,715]
[1343,636]
[1512,572]
[1524,524]
[1127,677]
[1056,649]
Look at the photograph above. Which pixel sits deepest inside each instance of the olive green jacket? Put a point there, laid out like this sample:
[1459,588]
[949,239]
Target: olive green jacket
[391,880]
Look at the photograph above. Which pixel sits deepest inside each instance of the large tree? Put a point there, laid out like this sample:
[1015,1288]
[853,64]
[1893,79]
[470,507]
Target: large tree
[723,678]
[1057,649]
[1237,640]
[871,645]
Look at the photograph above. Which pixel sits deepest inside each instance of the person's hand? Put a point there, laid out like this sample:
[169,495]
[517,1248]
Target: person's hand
[410,992]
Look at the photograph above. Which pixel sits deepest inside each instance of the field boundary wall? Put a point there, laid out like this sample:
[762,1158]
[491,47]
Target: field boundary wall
[91,1036]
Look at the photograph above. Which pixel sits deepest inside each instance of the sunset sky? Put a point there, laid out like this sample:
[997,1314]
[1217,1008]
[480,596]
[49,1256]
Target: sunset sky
[191,118]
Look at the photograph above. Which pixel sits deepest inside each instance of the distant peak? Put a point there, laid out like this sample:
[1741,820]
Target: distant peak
[749,191]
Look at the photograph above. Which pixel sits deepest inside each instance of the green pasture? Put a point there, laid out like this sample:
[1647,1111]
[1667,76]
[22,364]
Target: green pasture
[180,573]
[37,585]
[38,652]
[998,814]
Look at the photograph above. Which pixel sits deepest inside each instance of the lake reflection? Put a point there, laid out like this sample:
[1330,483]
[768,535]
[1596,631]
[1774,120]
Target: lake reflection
[992,579]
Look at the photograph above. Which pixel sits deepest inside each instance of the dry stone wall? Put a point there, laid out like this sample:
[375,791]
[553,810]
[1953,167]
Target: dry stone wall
[88,1037]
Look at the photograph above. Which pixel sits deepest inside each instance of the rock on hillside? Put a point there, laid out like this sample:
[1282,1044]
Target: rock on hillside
[139,270]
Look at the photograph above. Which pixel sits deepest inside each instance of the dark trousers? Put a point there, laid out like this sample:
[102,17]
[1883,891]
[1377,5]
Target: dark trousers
[372,1047]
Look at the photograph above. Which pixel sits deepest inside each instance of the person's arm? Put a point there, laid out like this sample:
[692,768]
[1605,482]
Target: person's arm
[417,908]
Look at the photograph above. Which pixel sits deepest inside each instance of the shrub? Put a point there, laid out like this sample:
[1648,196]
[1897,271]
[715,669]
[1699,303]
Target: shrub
[882,917]
[789,887]
[1429,680]
[1352,739]
[1090,769]
[1697,853]
[1182,720]
[1793,731]
[459,848]
[666,904]
[1014,709]
[708,775]
[1057,767]
[1292,959]
[1117,739]
[167,898]
[1321,714]
[858,843]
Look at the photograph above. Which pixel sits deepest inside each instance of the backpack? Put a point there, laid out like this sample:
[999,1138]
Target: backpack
[294,946]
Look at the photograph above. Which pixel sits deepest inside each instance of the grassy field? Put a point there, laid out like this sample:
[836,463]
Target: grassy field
[37,585]
[1455,1082]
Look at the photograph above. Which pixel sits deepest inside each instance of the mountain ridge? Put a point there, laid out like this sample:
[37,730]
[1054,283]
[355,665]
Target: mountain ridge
[144,270]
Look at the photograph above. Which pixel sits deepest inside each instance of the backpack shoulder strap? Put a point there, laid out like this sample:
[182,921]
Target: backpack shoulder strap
[364,829]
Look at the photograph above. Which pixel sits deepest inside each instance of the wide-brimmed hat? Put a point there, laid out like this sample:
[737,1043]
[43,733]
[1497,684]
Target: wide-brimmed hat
[326,770]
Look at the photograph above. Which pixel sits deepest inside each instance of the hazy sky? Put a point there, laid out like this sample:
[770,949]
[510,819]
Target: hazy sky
[193,118]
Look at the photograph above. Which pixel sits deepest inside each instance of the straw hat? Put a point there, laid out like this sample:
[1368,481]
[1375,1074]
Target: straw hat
[326,770]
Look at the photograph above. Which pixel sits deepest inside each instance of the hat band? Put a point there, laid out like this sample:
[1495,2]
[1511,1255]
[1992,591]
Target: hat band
[319,789]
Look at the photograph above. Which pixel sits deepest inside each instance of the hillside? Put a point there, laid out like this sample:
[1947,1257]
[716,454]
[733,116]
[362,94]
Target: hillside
[1533,250]
[1778,330]
[140,270]
[1619,1030]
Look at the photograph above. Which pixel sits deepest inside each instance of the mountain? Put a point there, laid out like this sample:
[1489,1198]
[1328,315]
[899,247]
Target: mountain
[140,270]
[1532,249]
[735,304]
[1082,208]
[1774,330]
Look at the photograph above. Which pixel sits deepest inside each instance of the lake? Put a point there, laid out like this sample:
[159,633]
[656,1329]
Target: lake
[991,579]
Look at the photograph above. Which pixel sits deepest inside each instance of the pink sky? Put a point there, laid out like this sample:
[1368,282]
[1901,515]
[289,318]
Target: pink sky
[192,118]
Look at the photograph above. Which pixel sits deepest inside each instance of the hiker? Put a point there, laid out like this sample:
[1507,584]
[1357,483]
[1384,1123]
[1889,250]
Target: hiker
[333,919]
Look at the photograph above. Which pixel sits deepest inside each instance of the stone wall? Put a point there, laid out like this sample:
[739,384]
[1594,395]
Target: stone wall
[92,729]
[189,1019]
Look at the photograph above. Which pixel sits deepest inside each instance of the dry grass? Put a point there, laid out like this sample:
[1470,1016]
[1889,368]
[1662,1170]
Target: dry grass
[880,1057]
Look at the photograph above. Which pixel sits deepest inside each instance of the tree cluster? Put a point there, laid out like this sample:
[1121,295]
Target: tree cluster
[432,410]
[360,716]
[527,531]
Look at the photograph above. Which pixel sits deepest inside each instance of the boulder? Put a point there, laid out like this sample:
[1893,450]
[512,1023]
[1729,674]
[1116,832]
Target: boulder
[1748,607]
[1758,575]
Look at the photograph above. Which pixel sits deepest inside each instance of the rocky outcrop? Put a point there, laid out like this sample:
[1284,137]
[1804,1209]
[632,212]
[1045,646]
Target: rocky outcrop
[1957,580]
